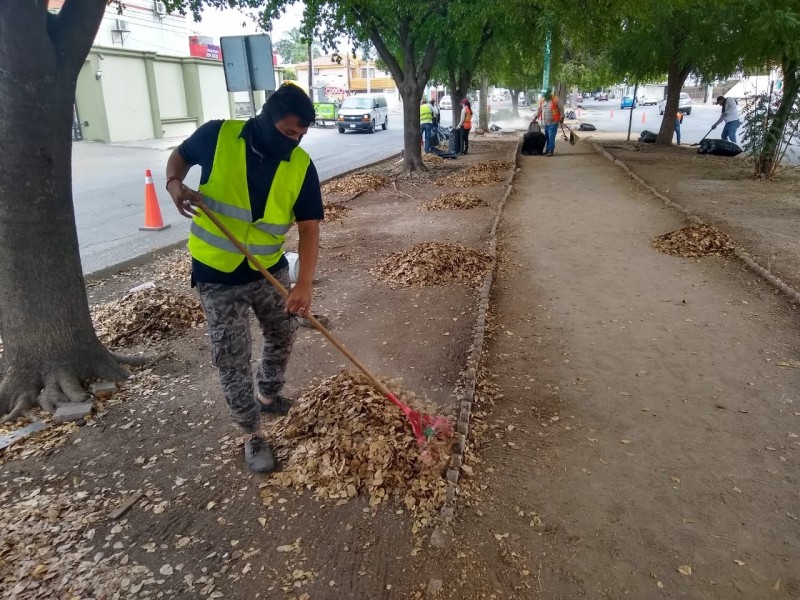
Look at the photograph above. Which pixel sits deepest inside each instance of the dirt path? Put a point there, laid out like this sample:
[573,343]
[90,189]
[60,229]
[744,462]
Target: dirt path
[651,414]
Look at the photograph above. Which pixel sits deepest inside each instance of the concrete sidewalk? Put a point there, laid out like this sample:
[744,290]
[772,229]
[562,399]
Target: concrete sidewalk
[650,412]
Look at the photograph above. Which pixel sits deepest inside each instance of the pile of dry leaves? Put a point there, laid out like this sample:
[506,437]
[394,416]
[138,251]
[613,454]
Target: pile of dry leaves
[485,173]
[693,241]
[344,439]
[355,184]
[49,549]
[146,316]
[431,263]
[334,211]
[456,200]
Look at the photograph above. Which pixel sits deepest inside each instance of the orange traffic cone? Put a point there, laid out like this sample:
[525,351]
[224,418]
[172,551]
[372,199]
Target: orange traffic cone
[643,119]
[152,212]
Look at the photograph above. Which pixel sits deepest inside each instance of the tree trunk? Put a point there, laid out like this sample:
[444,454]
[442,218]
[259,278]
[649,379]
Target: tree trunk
[456,94]
[412,149]
[676,76]
[411,79]
[768,157]
[483,104]
[50,343]
[514,103]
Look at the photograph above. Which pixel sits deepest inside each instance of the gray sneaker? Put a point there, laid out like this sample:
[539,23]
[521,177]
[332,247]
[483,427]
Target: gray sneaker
[258,456]
[280,405]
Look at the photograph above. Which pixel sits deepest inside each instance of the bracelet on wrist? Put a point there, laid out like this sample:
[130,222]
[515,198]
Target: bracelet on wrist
[171,179]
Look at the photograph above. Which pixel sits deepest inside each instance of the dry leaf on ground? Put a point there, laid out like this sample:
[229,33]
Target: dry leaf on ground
[693,241]
[431,263]
[354,184]
[334,211]
[344,439]
[432,160]
[47,547]
[456,200]
[486,173]
[146,316]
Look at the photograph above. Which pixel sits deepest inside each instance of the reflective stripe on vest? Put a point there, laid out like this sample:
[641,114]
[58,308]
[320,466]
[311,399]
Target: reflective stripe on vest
[425,114]
[226,193]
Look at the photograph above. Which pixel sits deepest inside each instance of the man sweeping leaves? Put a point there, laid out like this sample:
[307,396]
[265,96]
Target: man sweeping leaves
[258,182]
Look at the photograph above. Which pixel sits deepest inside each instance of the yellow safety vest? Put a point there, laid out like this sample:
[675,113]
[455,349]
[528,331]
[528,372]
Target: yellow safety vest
[226,193]
[425,113]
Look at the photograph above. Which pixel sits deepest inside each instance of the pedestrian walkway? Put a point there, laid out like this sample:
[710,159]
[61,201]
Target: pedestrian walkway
[646,444]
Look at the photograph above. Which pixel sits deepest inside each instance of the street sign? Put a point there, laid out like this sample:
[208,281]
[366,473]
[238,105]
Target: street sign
[247,60]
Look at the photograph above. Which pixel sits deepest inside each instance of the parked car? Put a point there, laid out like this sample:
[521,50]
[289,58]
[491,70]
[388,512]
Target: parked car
[628,102]
[647,100]
[445,103]
[602,97]
[578,99]
[684,104]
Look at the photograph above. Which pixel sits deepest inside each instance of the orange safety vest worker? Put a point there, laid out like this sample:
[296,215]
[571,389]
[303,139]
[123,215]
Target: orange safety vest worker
[468,118]
[556,114]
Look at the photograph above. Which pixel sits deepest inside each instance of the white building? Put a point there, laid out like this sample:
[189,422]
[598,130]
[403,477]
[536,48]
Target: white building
[141,81]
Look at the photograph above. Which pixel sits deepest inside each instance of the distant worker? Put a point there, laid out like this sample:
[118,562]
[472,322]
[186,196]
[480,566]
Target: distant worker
[678,121]
[551,112]
[465,124]
[436,119]
[730,114]
[426,123]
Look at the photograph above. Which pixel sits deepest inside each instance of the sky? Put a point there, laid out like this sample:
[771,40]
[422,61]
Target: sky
[218,23]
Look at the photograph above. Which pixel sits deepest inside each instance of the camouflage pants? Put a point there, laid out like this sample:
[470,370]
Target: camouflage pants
[227,309]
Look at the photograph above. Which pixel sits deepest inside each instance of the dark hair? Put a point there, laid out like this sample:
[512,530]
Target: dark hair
[466,102]
[290,99]
[720,98]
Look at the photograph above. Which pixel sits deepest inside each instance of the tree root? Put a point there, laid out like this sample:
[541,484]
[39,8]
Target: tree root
[137,361]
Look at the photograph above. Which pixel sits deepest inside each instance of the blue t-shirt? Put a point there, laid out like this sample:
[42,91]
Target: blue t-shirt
[199,149]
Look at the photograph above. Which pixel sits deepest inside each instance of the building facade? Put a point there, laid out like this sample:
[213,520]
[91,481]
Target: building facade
[147,77]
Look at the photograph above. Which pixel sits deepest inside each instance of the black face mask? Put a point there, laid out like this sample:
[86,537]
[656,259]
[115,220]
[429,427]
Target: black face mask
[272,141]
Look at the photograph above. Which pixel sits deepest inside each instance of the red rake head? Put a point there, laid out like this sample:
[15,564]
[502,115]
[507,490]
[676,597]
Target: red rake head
[424,426]
[427,427]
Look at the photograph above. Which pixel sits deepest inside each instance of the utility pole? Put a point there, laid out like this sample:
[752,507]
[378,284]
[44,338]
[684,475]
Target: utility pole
[630,117]
[546,72]
[310,69]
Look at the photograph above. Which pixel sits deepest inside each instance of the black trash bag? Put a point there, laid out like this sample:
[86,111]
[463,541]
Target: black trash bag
[648,137]
[587,127]
[533,143]
[455,142]
[719,148]
[444,132]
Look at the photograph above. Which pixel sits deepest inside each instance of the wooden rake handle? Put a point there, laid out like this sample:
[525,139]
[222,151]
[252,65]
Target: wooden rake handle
[285,293]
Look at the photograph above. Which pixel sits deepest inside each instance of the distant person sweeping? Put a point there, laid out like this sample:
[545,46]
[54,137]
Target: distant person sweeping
[551,113]
[730,114]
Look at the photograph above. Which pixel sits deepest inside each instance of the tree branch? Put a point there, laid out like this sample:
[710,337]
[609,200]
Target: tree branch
[73,30]
[386,55]
[427,63]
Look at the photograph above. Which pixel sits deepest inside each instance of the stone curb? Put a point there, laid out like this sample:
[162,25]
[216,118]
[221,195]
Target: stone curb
[739,252]
[466,398]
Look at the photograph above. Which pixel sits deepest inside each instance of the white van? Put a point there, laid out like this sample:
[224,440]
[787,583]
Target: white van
[365,111]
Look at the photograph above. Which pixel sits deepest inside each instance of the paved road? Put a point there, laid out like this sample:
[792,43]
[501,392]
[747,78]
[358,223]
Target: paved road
[694,127]
[108,188]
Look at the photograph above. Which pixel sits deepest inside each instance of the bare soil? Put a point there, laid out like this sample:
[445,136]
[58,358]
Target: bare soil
[762,216]
[636,433]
